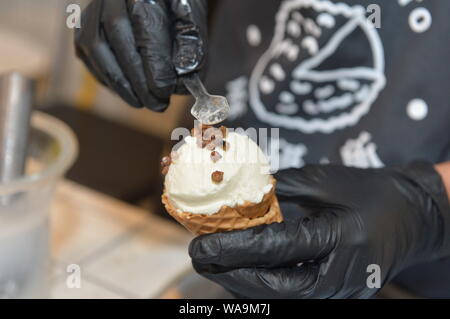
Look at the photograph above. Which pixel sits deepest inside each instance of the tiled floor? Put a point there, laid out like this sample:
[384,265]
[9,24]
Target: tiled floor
[122,251]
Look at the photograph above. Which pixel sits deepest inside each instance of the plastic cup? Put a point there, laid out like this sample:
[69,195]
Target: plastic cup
[25,207]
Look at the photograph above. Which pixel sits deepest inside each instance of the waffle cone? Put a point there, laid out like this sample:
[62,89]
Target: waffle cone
[229,218]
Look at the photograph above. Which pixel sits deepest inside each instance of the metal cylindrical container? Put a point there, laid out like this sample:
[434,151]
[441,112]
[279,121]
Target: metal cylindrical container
[16,98]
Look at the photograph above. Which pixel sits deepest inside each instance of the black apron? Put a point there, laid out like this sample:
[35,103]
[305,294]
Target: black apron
[340,87]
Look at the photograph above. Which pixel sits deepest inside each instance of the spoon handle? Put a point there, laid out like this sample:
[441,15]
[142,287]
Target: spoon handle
[195,86]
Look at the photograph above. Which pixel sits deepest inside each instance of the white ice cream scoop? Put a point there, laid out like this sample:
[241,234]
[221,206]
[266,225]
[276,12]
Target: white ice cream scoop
[189,184]
[208,109]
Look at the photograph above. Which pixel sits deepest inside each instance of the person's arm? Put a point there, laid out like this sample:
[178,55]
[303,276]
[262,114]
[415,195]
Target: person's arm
[444,170]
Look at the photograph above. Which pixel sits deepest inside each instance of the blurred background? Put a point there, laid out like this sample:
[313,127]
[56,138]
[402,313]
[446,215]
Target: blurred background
[108,210]
[108,219]
[120,147]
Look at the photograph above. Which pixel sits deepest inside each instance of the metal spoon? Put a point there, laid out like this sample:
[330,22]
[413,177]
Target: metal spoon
[208,109]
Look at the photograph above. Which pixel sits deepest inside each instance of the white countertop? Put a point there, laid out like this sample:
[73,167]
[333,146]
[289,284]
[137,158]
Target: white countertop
[123,251]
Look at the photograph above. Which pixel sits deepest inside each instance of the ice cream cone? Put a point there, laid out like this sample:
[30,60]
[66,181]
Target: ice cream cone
[230,218]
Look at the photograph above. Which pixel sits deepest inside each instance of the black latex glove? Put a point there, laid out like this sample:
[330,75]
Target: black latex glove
[392,217]
[138,48]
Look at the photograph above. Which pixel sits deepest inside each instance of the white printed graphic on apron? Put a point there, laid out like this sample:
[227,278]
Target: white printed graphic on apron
[290,88]
[420,18]
[361,152]
[237,97]
[290,156]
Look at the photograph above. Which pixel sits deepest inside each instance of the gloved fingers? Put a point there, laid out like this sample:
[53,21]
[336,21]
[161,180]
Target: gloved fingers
[316,184]
[151,26]
[299,184]
[94,50]
[274,245]
[343,275]
[236,295]
[118,31]
[326,185]
[180,89]
[189,19]
[98,76]
[104,60]
[293,282]
[90,18]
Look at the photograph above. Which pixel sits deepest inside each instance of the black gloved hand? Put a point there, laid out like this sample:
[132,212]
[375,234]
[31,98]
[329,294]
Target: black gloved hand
[138,47]
[391,217]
